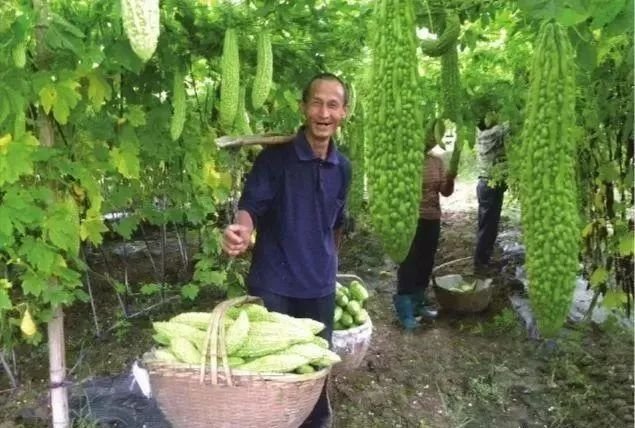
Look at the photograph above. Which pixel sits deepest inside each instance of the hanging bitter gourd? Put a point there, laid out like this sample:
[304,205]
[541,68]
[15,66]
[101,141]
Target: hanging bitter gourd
[352,101]
[548,194]
[230,80]
[395,127]
[19,54]
[355,138]
[141,23]
[451,101]
[178,106]
[264,71]
[241,122]
[450,26]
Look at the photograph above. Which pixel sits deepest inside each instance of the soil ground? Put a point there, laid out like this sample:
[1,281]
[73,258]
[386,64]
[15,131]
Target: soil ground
[460,371]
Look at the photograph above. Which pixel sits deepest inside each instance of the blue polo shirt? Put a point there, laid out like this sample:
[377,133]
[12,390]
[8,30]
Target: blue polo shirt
[296,201]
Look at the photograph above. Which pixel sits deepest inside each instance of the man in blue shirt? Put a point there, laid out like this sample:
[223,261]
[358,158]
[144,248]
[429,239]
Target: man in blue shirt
[294,197]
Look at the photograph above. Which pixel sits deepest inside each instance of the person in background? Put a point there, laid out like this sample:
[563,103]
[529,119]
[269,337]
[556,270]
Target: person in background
[413,274]
[294,196]
[490,190]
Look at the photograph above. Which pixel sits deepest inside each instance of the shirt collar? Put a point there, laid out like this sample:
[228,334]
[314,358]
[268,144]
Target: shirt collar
[305,153]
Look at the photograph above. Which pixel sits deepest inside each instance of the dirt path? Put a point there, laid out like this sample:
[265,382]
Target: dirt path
[480,370]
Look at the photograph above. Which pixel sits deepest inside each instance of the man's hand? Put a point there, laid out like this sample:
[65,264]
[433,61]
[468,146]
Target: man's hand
[236,239]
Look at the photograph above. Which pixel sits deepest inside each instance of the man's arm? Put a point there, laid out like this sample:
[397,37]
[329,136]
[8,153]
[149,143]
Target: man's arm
[237,236]
[258,193]
[447,186]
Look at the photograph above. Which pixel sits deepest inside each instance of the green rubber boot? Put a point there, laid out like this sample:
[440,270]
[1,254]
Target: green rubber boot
[404,307]
[422,308]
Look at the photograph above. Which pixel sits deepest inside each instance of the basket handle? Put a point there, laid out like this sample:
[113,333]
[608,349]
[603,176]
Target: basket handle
[349,276]
[215,338]
[451,262]
[442,265]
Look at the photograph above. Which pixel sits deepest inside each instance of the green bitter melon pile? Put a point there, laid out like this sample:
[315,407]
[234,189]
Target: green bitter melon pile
[256,340]
[548,193]
[394,138]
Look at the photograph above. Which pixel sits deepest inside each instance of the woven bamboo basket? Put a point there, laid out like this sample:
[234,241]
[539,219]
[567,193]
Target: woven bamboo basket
[474,300]
[224,398]
[351,344]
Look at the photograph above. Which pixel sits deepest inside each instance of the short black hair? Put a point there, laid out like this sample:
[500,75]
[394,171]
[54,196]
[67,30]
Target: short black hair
[324,76]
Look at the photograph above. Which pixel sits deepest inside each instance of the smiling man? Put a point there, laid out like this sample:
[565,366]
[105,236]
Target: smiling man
[294,196]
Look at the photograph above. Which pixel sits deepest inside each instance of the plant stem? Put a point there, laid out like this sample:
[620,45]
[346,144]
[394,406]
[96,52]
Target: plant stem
[7,370]
[90,294]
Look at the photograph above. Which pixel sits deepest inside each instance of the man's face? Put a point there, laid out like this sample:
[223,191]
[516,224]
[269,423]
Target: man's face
[324,109]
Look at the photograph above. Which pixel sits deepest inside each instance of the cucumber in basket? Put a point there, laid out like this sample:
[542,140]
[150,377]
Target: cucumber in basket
[350,303]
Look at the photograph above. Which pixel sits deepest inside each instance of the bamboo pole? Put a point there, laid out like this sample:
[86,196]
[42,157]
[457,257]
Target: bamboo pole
[57,369]
[250,140]
[57,356]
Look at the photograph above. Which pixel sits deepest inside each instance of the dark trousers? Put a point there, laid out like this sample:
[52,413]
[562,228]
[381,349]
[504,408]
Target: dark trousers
[414,272]
[490,203]
[320,309]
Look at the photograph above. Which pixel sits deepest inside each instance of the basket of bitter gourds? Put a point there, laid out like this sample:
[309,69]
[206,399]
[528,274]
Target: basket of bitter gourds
[352,328]
[238,366]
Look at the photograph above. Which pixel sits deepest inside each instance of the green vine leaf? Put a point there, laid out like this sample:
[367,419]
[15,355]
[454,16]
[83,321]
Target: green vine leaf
[92,227]
[33,284]
[566,12]
[6,228]
[57,295]
[21,208]
[608,172]
[126,226]
[150,289]
[16,157]
[626,245]
[39,254]
[599,277]
[48,96]
[190,291]
[62,225]
[135,116]
[99,91]
[605,11]
[5,300]
[125,158]
[61,98]
[614,299]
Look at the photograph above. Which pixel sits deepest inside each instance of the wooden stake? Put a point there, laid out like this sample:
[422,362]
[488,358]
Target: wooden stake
[250,140]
